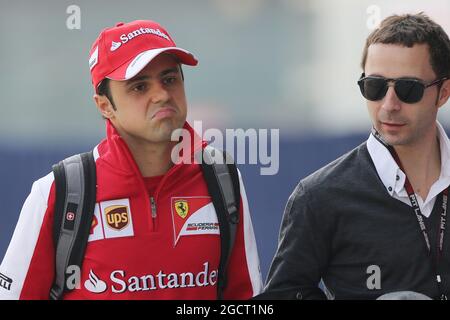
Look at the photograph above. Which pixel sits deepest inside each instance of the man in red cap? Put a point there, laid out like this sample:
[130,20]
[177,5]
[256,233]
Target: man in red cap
[155,231]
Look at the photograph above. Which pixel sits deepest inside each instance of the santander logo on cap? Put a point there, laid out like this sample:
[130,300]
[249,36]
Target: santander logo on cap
[136,33]
[115,45]
[121,52]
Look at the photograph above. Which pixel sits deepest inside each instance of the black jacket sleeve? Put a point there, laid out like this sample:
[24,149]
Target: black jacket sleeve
[302,252]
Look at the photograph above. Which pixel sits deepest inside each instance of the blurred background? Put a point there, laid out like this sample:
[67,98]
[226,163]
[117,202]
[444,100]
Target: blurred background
[284,64]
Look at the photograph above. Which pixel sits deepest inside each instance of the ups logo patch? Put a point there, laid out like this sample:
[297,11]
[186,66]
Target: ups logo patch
[117,217]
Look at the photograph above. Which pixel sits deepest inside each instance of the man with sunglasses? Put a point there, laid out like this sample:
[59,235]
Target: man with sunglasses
[374,221]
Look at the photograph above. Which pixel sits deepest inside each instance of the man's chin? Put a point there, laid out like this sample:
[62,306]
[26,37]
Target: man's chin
[164,133]
[395,140]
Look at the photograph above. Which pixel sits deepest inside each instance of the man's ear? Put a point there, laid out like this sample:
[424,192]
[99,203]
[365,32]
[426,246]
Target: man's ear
[444,93]
[104,106]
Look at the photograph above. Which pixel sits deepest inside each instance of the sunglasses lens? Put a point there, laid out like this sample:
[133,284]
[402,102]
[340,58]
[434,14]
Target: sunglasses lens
[409,91]
[373,89]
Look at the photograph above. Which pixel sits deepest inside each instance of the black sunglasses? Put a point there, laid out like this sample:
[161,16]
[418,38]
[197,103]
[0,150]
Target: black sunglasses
[407,90]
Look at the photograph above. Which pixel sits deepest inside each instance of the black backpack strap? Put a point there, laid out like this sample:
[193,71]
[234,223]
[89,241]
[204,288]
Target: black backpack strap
[223,185]
[75,185]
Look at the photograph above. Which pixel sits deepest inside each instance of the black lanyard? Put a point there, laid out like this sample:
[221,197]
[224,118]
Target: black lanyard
[418,213]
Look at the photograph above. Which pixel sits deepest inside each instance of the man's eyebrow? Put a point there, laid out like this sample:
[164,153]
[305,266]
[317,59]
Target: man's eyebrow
[171,70]
[136,79]
[403,77]
[144,77]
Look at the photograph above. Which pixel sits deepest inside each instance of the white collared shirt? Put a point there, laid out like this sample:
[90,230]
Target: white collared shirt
[393,177]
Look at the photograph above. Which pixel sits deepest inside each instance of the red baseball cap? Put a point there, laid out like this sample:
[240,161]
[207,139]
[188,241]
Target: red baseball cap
[122,51]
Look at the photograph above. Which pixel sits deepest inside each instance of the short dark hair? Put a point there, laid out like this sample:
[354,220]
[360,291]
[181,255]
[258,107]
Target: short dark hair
[411,29]
[105,90]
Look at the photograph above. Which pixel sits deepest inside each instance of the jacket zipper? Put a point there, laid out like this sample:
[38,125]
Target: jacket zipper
[153,204]
[155,196]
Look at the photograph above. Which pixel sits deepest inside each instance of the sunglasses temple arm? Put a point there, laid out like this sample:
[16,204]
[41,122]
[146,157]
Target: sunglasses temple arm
[436,82]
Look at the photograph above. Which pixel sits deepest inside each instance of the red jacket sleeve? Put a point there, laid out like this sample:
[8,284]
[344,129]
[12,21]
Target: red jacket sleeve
[29,261]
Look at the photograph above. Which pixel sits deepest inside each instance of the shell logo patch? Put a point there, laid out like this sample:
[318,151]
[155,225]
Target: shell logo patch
[94,224]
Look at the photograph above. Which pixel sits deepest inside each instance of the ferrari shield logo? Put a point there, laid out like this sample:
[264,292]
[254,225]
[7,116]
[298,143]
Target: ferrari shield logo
[182,208]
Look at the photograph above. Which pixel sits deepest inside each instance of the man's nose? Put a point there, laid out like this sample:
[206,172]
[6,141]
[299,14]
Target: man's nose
[158,93]
[390,101]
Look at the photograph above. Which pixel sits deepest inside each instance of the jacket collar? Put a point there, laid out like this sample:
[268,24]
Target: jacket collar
[393,177]
[116,153]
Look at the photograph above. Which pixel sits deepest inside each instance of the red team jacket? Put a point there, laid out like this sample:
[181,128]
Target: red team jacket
[164,246]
